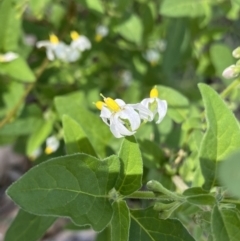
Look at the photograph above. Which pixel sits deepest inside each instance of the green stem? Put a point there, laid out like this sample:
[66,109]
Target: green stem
[231,201]
[233,85]
[146,195]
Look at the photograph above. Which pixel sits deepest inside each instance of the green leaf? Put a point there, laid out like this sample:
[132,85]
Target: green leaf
[74,186]
[130,177]
[18,69]
[228,173]
[185,8]
[194,191]
[221,56]
[178,104]
[132,25]
[37,138]
[96,130]
[221,138]
[75,137]
[95,5]
[120,223]
[38,7]
[10,24]
[225,224]
[146,226]
[27,226]
[201,199]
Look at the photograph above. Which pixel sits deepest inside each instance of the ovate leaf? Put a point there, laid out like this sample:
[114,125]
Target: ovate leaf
[225,224]
[146,226]
[75,137]
[120,223]
[27,226]
[134,26]
[130,177]
[74,186]
[222,136]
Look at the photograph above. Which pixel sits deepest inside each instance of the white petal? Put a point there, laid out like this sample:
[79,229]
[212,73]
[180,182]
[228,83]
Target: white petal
[9,56]
[146,102]
[53,143]
[82,43]
[144,113]
[120,102]
[105,113]
[50,54]
[161,109]
[116,124]
[132,116]
[45,43]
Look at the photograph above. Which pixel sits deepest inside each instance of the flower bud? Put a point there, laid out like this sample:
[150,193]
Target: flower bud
[230,72]
[236,53]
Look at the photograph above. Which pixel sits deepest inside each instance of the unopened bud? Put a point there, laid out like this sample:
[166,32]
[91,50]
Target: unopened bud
[236,53]
[230,72]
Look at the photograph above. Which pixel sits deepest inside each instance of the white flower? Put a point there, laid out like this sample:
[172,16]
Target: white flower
[101,32]
[70,55]
[8,57]
[236,53]
[155,105]
[161,45]
[122,119]
[52,144]
[230,72]
[36,153]
[80,42]
[152,56]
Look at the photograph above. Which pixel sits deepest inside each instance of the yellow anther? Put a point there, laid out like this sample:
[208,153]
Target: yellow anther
[74,35]
[53,39]
[98,37]
[48,150]
[112,104]
[99,104]
[154,92]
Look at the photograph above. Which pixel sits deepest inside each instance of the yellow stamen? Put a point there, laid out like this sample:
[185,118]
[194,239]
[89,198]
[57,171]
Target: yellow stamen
[99,104]
[74,35]
[48,150]
[112,104]
[98,37]
[53,39]
[154,92]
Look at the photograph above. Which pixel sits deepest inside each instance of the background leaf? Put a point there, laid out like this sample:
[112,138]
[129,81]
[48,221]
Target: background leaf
[75,138]
[27,226]
[74,186]
[130,177]
[216,144]
[229,173]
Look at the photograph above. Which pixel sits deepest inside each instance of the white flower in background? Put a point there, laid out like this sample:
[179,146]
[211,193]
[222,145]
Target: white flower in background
[126,77]
[155,105]
[122,119]
[55,49]
[161,45]
[101,32]
[80,42]
[236,53]
[52,144]
[231,71]
[152,56]
[71,55]
[8,57]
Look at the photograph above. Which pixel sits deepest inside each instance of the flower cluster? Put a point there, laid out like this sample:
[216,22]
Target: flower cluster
[233,71]
[124,119]
[56,49]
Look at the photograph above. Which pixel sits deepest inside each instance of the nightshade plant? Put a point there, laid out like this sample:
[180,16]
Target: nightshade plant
[137,167]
